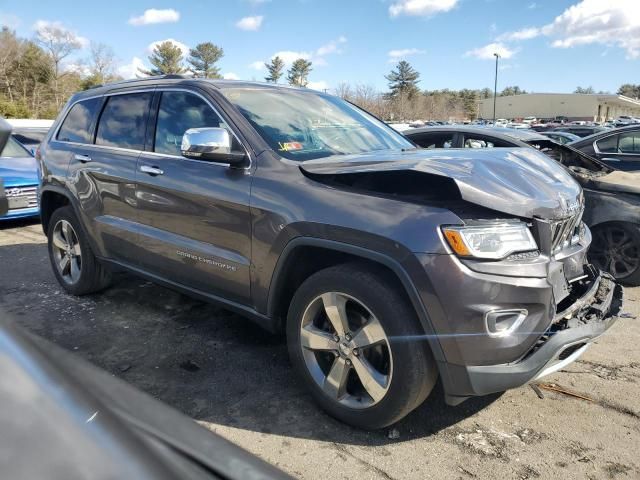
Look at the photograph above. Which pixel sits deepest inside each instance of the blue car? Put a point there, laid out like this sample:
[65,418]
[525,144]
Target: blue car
[19,171]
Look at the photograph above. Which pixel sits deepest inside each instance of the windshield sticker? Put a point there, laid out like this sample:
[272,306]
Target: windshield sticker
[290,146]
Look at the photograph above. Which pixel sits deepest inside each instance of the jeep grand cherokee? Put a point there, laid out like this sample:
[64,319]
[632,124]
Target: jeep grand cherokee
[386,266]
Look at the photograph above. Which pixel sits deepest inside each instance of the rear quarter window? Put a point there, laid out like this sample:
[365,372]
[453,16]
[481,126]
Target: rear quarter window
[76,127]
[608,144]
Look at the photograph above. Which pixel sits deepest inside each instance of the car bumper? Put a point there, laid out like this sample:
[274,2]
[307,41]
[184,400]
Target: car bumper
[21,213]
[552,335]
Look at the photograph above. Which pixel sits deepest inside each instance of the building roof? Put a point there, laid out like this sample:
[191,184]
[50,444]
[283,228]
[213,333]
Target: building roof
[599,97]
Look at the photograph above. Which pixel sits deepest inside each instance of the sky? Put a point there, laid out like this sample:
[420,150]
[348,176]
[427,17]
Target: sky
[544,45]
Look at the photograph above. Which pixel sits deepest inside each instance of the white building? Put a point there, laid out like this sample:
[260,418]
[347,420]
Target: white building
[574,106]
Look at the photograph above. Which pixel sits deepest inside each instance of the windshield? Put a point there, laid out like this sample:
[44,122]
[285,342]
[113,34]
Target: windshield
[304,125]
[13,149]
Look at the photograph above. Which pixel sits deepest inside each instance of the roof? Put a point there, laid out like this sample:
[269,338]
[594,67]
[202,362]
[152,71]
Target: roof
[600,97]
[181,80]
[605,133]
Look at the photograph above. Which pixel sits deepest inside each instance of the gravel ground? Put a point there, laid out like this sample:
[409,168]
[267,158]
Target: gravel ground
[235,379]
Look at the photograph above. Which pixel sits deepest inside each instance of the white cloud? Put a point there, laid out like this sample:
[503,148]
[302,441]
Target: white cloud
[486,52]
[78,67]
[395,55]
[420,7]
[289,56]
[608,23]
[230,76]
[250,23]
[332,47]
[131,69]
[257,65]
[532,5]
[184,48]
[524,34]
[154,15]
[320,85]
[45,30]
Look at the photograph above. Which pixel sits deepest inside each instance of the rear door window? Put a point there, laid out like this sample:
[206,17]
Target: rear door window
[123,121]
[76,127]
[608,144]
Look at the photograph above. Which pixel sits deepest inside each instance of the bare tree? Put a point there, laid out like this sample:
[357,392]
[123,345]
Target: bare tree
[59,43]
[102,61]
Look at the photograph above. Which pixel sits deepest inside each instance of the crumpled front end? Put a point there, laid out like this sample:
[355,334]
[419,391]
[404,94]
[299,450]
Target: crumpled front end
[553,303]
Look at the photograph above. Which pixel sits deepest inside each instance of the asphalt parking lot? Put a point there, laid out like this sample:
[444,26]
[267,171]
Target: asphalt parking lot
[235,379]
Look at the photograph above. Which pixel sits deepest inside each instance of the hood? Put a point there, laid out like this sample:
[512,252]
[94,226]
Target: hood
[519,181]
[18,171]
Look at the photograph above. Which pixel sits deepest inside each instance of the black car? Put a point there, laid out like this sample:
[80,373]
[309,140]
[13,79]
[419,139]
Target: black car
[612,196]
[29,137]
[619,148]
[581,130]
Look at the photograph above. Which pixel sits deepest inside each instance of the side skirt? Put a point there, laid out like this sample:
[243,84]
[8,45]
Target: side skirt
[259,319]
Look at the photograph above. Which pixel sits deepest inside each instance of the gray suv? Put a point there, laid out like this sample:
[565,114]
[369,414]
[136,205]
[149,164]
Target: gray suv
[387,266]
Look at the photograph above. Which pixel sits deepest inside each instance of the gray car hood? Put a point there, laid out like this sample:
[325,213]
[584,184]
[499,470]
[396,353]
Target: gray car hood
[517,181]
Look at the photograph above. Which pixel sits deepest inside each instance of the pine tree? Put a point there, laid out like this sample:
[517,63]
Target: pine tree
[166,60]
[203,59]
[403,81]
[299,72]
[275,70]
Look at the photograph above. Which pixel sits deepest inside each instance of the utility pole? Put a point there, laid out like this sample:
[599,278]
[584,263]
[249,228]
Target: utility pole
[495,89]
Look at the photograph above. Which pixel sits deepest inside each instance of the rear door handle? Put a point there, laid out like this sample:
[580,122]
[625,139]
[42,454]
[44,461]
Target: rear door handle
[151,170]
[609,159]
[82,158]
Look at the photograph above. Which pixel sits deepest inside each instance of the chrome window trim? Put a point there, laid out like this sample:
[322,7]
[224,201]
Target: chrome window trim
[597,150]
[54,137]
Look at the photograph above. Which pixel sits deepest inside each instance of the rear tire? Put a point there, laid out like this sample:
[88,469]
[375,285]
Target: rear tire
[75,266]
[381,342]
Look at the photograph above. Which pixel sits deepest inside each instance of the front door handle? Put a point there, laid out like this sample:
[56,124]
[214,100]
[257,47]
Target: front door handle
[82,158]
[151,170]
[609,159]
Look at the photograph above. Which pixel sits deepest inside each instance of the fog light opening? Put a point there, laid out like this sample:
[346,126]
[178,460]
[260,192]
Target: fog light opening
[501,323]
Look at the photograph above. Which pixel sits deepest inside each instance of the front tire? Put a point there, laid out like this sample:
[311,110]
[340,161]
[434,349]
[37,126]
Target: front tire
[74,265]
[356,341]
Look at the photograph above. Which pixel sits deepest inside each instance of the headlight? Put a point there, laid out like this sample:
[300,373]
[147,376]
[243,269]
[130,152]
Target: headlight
[491,241]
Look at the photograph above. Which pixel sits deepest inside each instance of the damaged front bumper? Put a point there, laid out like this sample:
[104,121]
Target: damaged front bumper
[590,310]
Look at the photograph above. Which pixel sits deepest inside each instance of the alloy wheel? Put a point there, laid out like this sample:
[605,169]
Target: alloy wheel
[66,252]
[614,250]
[346,350]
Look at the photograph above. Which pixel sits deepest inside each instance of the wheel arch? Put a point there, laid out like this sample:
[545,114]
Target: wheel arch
[304,256]
[52,198]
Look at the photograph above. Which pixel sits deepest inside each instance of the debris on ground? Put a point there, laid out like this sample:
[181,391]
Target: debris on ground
[559,389]
[393,434]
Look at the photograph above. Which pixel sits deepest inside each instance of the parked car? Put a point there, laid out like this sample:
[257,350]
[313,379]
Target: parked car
[63,418]
[5,131]
[618,148]
[580,130]
[19,171]
[624,120]
[561,137]
[612,197]
[30,133]
[304,213]
[529,120]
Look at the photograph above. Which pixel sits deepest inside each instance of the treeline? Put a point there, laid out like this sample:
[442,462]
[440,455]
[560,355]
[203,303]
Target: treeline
[36,78]
[33,82]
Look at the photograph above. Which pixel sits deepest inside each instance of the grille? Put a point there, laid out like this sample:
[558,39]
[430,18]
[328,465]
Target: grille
[29,192]
[567,352]
[564,231]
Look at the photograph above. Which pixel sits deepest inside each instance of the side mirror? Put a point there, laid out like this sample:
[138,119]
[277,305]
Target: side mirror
[211,144]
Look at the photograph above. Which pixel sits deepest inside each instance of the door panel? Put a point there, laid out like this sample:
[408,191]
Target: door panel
[103,174]
[194,215]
